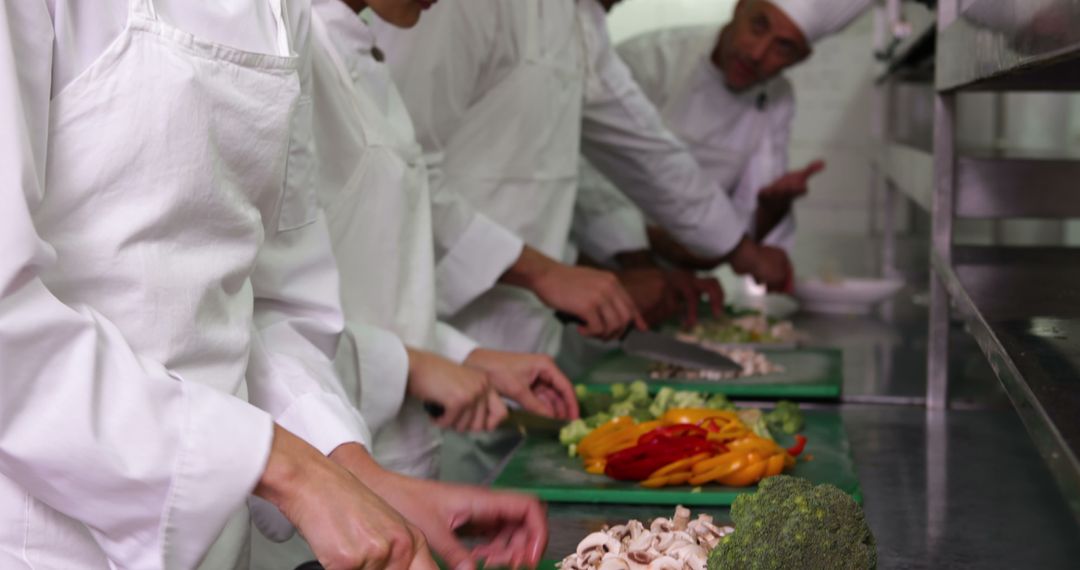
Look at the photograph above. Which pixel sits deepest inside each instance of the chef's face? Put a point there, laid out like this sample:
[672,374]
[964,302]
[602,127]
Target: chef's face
[400,13]
[759,43]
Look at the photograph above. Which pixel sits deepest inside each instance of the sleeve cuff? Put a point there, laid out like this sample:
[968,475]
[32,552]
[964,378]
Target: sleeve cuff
[382,373]
[483,253]
[224,454]
[616,232]
[325,421]
[715,232]
[452,343]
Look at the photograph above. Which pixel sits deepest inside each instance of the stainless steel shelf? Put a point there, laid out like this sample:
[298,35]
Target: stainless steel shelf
[1022,305]
[910,170]
[1012,45]
[989,184]
[913,59]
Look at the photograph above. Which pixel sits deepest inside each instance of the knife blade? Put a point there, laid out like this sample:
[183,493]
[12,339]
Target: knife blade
[527,421]
[663,348]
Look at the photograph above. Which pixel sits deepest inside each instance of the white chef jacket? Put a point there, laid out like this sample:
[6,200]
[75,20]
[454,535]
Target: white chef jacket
[453,69]
[121,433]
[373,183]
[739,139]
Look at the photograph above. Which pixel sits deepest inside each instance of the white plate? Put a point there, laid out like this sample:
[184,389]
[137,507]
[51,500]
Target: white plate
[845,297]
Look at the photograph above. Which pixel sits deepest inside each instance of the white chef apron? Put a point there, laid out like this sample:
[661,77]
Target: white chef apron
[380,223]
[527,183]
[165,159]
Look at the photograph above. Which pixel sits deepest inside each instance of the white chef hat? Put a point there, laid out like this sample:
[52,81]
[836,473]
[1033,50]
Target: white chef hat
[820,18]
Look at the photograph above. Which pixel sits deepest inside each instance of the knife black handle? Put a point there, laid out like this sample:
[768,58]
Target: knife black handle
[434,410]
[572,319]
[569,318]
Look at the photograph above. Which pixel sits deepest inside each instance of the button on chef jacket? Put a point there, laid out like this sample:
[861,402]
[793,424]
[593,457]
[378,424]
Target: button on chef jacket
[157,251]
[496,89]
[739,139]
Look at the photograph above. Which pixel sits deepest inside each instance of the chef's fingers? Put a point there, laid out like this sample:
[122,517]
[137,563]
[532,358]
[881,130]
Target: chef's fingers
[423,561]
[613,322]
[496,410]
[530,400]
[688,297]
[451,550]
[714,291]
[516,514]
[812,169]
[563,388]
[480,418]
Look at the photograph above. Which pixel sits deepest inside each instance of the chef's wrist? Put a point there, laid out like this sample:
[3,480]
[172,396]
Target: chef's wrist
[355,459]
[744,257]
[285,467]
[639,259]
[529,270]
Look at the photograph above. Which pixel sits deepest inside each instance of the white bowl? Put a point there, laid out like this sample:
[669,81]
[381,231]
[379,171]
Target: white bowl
[845,297]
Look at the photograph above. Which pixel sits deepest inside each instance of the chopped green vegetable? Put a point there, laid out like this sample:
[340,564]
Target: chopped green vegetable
[719,402]
[786,417]
[790,523]
[755,420]
[574,432]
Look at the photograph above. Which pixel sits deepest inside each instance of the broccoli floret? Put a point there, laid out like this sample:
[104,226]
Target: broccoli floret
[638,392]
[623,408]
[618,391]
[686,399]
[596,420]
[662,402]
[790,523]
[786,417]
[719,402]
[755,420]
[573,432]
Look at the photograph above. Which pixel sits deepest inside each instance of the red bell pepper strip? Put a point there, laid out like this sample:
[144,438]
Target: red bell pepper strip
[640,461]
[800,445]
[670,432]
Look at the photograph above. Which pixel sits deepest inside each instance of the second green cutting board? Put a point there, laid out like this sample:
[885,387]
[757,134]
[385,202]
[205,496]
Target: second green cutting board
[809,373]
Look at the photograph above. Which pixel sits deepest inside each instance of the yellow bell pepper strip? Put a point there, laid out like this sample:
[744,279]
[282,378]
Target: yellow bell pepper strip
[596,466]
[748,475]
[666,480]
[681,465]
[598,434]
[721,466]
[693,416]
[774,465]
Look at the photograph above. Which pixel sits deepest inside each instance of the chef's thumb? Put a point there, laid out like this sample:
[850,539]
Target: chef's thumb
[450,550]
[531,403]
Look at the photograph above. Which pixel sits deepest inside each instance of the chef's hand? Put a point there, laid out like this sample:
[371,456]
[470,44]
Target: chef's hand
[790,186]
[592,295]
[766,264]
[345,523]
[512,527]
[690,289]
[682,289]
[532,380]
[651,292]
[469,401]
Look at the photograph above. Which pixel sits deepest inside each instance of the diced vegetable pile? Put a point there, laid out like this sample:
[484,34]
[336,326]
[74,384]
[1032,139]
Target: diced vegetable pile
[680,437]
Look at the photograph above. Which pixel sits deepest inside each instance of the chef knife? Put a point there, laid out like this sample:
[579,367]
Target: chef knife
[528,421]
[666,349]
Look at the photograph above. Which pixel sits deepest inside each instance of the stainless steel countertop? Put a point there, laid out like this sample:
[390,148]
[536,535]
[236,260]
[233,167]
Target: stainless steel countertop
[960,489]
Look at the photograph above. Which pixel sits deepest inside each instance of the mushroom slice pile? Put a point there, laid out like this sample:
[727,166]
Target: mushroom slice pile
[678,543]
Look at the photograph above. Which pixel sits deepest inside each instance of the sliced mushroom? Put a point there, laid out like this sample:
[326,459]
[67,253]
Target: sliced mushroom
[614,563]
[640,557]
[682,517]
[660,525]
[643,542]
[600,542]
[665,563]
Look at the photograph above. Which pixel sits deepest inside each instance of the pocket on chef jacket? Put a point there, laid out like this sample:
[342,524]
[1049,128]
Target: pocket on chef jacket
[299,206]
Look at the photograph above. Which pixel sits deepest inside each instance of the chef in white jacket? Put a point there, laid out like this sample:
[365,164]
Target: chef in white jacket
[373,183]
[496,89]
[724,94]
[164,262]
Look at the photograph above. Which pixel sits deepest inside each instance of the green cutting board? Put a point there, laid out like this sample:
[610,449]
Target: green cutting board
[540,466]
[809,373]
